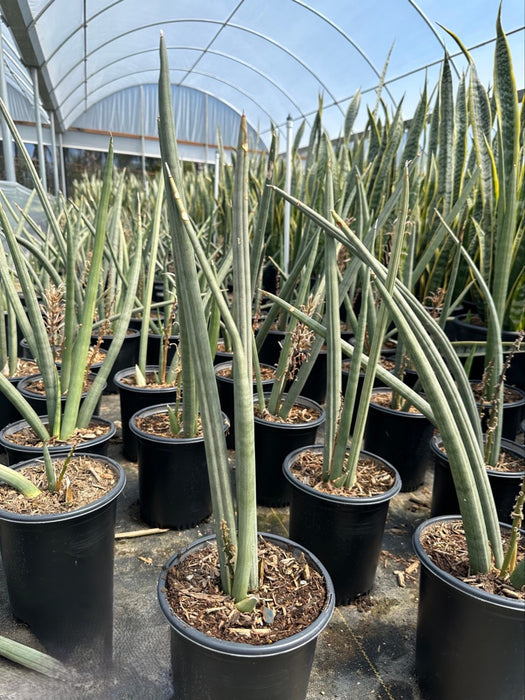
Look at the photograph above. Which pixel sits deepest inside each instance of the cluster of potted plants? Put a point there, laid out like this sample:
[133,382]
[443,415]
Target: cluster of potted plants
[374,222]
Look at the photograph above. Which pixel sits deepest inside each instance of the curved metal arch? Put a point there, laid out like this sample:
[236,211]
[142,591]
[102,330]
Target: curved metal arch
[234,26]
[345,36]
[429,24]
[207,75]
[222,54]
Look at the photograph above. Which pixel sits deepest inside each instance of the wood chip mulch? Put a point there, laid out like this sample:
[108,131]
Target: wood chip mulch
[27,437]
[290,596]
[151,381]
[37,386]
[446,546]
[384,398]
[372,479]
[159,424]
[24,368]
[298,414]
[87,480]
[267,373]
[509,394]
[507,462]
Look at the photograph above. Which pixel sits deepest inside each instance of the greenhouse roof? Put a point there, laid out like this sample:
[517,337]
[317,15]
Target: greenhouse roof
[97,61]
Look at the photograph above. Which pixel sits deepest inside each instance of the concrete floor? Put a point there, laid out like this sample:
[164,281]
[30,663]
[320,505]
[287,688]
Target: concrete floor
[367,651]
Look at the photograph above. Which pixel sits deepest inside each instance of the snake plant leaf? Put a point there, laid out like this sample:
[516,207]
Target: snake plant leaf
[35,660]
[193,327]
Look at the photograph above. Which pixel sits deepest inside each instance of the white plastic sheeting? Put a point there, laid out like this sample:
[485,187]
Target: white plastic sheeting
[198,117]
[270,58]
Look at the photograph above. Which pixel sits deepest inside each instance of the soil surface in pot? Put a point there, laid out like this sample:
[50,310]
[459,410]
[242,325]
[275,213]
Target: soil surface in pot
[509,394]
[24,368]
[37,386]
[290,596]
[266,373]
[446,546]
[372,479]
[151,381]
[159,424]
[28,438]
[298,414]
[95,357]
[507,462]
[86,480]
[385,363]
[384,398]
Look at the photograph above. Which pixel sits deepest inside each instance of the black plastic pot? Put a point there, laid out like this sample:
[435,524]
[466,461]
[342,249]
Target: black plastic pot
[38,401]
[27,354]
[155,343]
[505,485]
[402,439]
[135,322]
[469,643]
[344,381]
[273,442]
[174,489]
[208,668]
[132,399]
[315,385]
[18,453]
[8,413]
[127,356]
[464,330]
[346,533]
[222,355]
[225,388]
[271,347]
[59,574]
[513,412]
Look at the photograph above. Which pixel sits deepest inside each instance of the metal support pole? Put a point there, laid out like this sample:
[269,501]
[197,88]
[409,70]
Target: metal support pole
[54,152]
[287,188]
[206,128]
[62,165]
[38,124]
[216,192]
[142,141]
[7,141]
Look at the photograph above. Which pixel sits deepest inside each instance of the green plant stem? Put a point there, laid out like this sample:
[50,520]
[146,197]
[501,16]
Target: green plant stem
[150,275]
[378,338]
[458,434]
[83,339]
[13,478]
[349,401]
[34,659]
[333,346]
[190,300]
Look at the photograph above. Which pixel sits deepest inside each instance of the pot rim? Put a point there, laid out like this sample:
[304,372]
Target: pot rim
[126,371]
[130,333]
[9,516]
[457,584]
[302,401]
[460,319]
[516,404]
[242,649]
[394,411]
[16,425]
[28,378]
[436,441]
[335,498]
[162,407]
[229,380]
